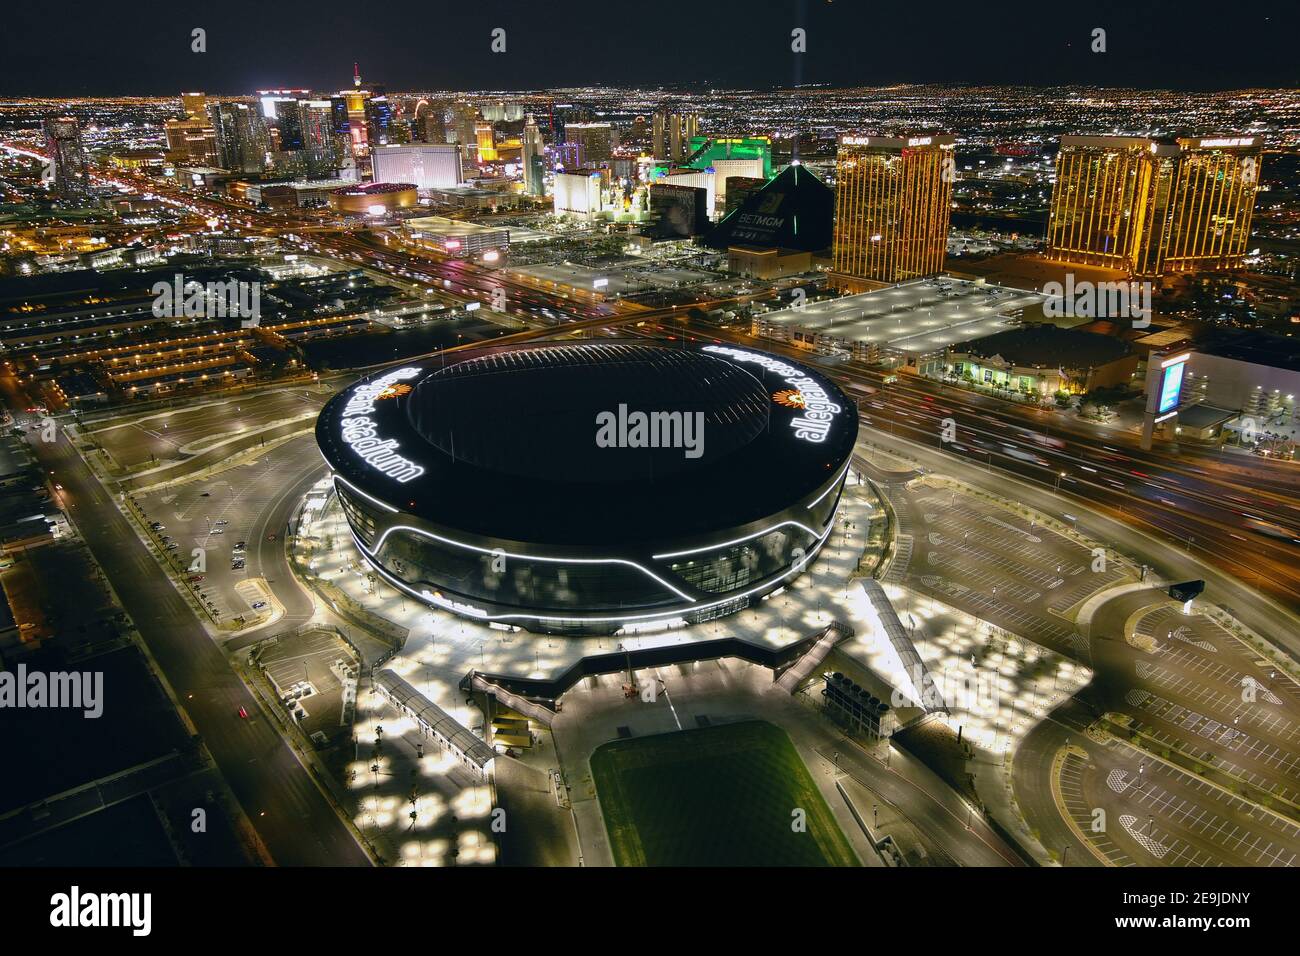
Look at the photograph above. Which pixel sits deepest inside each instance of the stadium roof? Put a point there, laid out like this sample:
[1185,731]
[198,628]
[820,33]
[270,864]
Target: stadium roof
[442,226]
[504,443]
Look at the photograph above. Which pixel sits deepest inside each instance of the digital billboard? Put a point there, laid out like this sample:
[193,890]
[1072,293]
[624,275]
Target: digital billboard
[1171,387]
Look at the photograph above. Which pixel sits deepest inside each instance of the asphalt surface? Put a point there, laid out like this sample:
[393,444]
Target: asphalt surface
[1238,513]
[159,436]
[295,821]
[255,500]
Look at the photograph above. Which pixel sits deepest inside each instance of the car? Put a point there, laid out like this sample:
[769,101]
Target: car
[243,713]
[157,526]
[173,546]
[220,523]
[258,605]
[217,530]
[196,579]
[240,545]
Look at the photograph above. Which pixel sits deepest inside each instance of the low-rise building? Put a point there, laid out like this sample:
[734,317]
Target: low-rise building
[1043,360]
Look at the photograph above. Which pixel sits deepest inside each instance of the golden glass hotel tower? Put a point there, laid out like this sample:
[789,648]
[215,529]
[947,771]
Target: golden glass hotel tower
[1152,208]
[893,202]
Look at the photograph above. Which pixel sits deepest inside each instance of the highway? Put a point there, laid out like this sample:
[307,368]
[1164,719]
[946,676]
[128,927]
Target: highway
[1201,504]
[294,820]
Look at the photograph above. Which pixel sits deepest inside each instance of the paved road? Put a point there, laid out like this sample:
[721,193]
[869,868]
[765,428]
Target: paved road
[161,434]
[1033,775]
[256,500]
[297,824]
[1210,503]
[1170,562]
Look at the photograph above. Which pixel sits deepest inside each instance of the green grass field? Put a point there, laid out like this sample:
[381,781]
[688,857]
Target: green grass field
[716,796]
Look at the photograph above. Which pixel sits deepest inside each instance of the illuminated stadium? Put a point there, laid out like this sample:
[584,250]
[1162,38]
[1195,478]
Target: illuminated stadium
[373,199]
[591,488]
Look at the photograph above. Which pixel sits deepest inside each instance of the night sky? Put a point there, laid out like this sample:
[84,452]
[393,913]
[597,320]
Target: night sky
[86,48]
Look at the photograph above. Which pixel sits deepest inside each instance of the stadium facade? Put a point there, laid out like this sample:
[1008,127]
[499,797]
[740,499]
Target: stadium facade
[591,488]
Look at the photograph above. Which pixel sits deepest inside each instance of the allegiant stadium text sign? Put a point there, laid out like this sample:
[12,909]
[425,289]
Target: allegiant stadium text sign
[359,432]
[814,423]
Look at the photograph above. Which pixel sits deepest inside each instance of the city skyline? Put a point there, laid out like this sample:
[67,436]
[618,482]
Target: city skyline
[1160,45]
[771,437]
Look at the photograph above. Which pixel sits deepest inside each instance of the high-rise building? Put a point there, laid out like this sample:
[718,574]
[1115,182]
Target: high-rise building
[499,111]
[534,160]
[242,140]
[705,179]
[283,119]
[379,121]
[672,133]
[679,211]
[427,165]
[195,106]
[578,193]
[67,156]
[568,156]
[464,118]
[597,141]
[893,202]
[316,123]
[430,124]
[728,156]
[339,115]
[191,141]
[485,136]
[1153,208]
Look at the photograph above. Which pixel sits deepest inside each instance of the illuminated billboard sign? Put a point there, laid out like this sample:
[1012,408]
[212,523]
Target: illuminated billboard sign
[359,430]
[808,395]
[1171,386]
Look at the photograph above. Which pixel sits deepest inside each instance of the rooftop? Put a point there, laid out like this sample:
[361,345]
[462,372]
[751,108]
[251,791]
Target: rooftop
[442,226]
[921,316]
[1258,348]
[1047,346]
[505,440]
[373,189]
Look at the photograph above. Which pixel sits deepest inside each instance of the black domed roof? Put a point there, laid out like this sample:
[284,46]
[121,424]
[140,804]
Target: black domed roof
[535,413]
[502,442]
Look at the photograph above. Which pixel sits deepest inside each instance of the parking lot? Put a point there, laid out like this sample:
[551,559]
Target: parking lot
[214,516]
[1159,815]
[138,441]
[1003,567]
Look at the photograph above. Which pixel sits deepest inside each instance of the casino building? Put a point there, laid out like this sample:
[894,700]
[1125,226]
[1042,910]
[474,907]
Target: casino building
[374,199]
[595,487]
